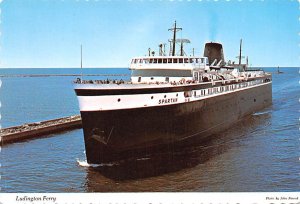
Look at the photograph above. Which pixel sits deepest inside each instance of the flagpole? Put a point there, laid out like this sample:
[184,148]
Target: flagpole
[81,60]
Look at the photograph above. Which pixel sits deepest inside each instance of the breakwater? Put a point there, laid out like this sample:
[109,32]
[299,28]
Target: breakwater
[34,130]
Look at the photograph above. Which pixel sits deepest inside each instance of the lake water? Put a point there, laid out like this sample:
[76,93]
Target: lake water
[260,153]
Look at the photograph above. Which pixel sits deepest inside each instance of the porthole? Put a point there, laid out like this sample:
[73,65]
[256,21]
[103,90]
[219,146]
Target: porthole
[177,95]
[165,96]
[254,100]
[119,99]
[151,97]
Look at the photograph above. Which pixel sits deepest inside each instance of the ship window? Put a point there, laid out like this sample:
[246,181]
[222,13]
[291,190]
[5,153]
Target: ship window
[180,60]
[202,60]
[132,61]
[186,60]
[187,94]
[140,78]
[141,61]
[170,60]
[146,61]
[119,99]
[135,61]
[164,60]
[159,61]
[151,60]
[167,79]
[196,76]
[175,60]
[155,61]
[161,72]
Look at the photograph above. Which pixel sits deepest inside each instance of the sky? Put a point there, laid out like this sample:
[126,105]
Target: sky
[48,33]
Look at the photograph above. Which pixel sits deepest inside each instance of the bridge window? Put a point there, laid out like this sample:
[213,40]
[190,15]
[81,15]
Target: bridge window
[161,73]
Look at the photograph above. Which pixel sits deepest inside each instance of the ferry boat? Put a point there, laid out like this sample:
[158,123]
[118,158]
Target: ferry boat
[171,101]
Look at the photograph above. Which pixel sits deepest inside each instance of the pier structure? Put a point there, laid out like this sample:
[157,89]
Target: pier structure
[39,129]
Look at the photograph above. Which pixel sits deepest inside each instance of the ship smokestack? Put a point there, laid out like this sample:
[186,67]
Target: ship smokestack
[214,51]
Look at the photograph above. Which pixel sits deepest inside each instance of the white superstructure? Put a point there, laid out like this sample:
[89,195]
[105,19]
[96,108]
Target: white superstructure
[167,68]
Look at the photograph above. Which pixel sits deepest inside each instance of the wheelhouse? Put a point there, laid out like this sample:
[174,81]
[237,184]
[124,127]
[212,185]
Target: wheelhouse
[166,68]
[169,60]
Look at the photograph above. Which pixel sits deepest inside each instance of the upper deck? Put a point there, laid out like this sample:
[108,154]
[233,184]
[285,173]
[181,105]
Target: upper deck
[169,62]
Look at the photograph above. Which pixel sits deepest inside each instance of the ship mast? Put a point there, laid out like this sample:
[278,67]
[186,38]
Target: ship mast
[175,29]
[240,57]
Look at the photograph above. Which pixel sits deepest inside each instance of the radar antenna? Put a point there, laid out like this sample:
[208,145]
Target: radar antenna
[182,41]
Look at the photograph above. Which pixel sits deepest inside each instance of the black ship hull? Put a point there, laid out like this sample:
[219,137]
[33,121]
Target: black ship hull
[112,135]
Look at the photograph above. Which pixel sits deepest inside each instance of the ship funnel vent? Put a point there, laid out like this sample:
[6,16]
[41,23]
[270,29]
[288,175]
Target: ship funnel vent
[214,53]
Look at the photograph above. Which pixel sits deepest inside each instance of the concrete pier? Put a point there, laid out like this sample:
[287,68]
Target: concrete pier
[38,129]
